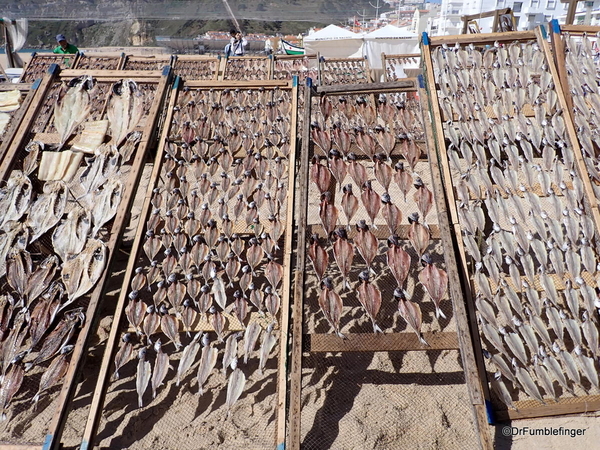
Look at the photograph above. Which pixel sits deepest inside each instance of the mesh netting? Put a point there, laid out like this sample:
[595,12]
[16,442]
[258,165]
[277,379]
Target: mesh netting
[97,62]
[398,67]
[38,65]
[247,68]
[196,68]
[343,71]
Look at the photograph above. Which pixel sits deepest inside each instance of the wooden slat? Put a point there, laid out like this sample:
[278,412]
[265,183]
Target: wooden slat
[15,123]
[298,305]
[531,409]
[119,74]
[407,84]
[21,447]
[380,342]
[579,29]
[100,390]
[472,366]
[251,84]
[438,130]
[52,440]
[477,39]
[287,263]
[13,86]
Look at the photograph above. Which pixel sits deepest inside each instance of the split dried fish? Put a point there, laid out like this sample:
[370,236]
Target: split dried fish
[54,374]
[125,109]
[435,281]
[70,237]
[369,297]
[208,360]
[73,107]
[48,208]
[144,372]
[411,313]
[11,383]
[235,387]
[331,305]
[123,356]
[161,367]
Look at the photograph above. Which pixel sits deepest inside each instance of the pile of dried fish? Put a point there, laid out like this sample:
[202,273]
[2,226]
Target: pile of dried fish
[302,67]
[213,240]
[395,66]
[197,69]
[365,173]
[245,68]
[53,246]
[525,224]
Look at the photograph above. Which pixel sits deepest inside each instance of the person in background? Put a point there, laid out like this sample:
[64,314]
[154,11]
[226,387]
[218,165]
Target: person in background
[236,44]
[63,46]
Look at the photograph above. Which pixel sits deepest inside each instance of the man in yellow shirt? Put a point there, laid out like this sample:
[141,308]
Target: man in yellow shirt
[63,46]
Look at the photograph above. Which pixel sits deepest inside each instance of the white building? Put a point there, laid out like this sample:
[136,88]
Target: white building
[528,13]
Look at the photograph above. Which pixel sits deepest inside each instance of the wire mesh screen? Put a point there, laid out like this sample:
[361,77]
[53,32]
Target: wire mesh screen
[56,240]
[39,64]
[529,236]
[343,71]
[196,68]
[208,282]
[287,67]
[97,62]
[248,68]
[374,244]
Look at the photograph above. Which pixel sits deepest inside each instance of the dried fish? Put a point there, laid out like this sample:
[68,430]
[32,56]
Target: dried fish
[48,208]
[235,387]
[435,281]
[142,376]
[123,355]
[268,342]
[366,243]
[54,374]
[208,359]
[72,107]
[410,312]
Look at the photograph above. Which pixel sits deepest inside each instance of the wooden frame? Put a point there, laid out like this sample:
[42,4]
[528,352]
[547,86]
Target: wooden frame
[17,116]
[153,62]
[55,429]
[262,63]
[402,341]
[190,67]
[99,61]
[41,62]
[103,378]
[527,408]
[495,14]
[323,69]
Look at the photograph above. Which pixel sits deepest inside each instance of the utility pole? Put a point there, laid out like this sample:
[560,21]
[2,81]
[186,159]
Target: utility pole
[362,16]
[376,10]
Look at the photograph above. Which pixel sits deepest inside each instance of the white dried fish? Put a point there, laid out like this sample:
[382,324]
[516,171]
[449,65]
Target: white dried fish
[143,376]
[48,208]
[268,342]
[235,387]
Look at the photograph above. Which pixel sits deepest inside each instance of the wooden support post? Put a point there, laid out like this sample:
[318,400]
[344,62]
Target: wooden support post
[470,366]
[571,10]
[287,262]
[298,305]
[52,441]
[103,377]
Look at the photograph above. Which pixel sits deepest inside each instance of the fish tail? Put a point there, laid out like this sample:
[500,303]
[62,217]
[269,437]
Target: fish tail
[115,376]
[28,366]
[140,402]
[153,393]
[439,313]
[423,341]
[3,417]
[376,328]
[340,335]
[35,400]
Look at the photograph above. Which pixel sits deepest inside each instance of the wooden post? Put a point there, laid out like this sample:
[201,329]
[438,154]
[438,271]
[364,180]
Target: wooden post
[298,305]
[571,11]
[103,377]
[287,262]
[470,365]
[558,47]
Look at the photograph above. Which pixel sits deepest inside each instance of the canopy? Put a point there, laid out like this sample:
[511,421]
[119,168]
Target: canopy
[334,42]
[390,40]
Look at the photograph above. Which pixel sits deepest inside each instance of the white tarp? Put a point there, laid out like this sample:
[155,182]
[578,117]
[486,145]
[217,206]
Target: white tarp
[390,40]
[334,42]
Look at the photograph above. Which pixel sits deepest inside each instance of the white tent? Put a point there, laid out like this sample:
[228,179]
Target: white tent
[390,40]
[334,42]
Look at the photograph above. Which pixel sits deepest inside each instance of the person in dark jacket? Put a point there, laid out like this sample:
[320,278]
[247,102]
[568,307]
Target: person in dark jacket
[236,44]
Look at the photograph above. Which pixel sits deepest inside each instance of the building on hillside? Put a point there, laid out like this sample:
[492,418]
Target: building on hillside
[528,13]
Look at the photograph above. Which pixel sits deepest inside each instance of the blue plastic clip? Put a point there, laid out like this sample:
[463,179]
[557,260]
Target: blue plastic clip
[543,30]
[421,80]
[490,412]
[425,38]
[555,26]
[166,70]
[295,80]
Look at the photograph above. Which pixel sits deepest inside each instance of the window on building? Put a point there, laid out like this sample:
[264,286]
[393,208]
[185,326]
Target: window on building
[547,19]
[500,4]
[517,6]
[551,4]
[535,3]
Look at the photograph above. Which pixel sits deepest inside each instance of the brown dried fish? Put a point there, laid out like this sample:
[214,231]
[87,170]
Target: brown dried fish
[11,383]
[435,282]
[328,213]
[161,367]
[370,298]
[366,242]
[418,234]
[410,312]
[398,261]
[123,356]
[318,256]
[331,305]
[54,374]
[170,327]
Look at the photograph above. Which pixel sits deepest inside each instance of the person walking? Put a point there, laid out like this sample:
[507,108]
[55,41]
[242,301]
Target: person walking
[236,44]
[63,46]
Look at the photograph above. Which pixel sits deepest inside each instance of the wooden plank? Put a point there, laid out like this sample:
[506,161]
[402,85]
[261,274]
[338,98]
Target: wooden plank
[251,84]
[380,342]
[467,331]
[287,264]
[13,86]
[407,84]
[21,134]
[52,440]
[103,377]
[484,38]
[118,74]
[438,130]
[591,206]
[569,405]
[558,53]
[298,305]
[579,29]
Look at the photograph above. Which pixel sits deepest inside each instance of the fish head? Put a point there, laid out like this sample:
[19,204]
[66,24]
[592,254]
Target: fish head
[426,259]
[157,346]
[66,349]
[364,276]
[163,309]
[327,283]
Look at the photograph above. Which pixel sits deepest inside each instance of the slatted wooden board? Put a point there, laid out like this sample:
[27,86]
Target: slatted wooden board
[343,71]
[39,64]
[240,68]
